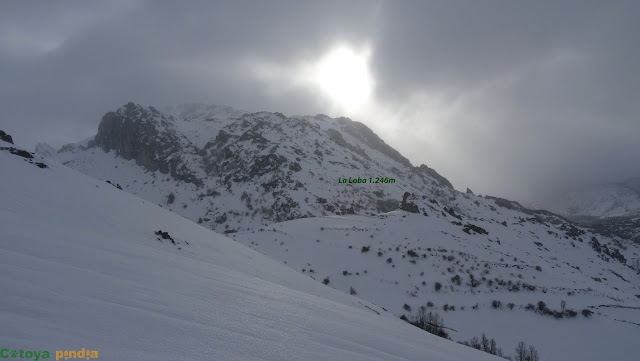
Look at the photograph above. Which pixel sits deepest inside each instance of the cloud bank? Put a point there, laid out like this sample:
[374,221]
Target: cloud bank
[506,98]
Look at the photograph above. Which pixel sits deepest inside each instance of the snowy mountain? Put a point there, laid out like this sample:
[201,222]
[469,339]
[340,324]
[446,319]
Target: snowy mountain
[230,171]
[275,184]
[85,265]
[602,200]
[45,150]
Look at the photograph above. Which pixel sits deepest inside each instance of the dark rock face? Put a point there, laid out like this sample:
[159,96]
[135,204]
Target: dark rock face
[130,133]
[349,210]
[295,166]
[28,156]
[164,235]
[223,137]
[265,164]
[285,209]
[505,203]
[388,205]
[408,206]
[6,137]
[145,135]
[452,213]
[221,219]
[468,228]
[19,152]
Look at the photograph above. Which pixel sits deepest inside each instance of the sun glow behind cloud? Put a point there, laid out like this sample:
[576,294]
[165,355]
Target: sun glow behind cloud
[339,79]
[344,77]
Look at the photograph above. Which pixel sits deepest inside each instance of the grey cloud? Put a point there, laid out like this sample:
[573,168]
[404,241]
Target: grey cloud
[565,107]
[541,92]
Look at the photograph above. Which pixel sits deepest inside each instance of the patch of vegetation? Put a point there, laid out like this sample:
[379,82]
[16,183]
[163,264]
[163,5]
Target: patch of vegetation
[428,321]
[485,344]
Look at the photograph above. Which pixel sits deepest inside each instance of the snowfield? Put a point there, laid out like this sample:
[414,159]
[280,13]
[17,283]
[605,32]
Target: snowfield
[332,248]
[81,267]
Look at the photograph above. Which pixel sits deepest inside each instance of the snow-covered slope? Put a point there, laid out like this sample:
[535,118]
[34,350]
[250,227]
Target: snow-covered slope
[82,267]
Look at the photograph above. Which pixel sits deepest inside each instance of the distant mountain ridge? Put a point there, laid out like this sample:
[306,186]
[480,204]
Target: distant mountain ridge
[601,200]
[612,209]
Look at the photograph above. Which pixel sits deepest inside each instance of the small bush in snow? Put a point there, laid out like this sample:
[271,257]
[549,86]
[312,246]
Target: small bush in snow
[526,354]
[456,279]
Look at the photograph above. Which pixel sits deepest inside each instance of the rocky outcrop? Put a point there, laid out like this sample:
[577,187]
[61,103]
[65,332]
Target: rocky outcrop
[145,135]
[6,137]
[388,205]
[408,206]
[28,156]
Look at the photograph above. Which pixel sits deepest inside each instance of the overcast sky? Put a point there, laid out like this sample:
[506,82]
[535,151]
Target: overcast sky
[509,98]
